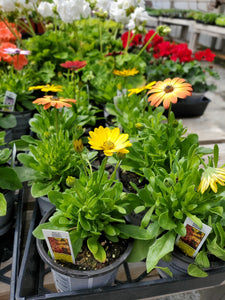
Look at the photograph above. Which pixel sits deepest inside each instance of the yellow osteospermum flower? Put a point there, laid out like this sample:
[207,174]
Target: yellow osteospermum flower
[141,89]
[126,73]
[210,177]
[168,91]
[109,140]
[47,88]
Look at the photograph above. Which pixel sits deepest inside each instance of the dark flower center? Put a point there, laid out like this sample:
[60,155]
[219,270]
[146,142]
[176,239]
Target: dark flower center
[168,89]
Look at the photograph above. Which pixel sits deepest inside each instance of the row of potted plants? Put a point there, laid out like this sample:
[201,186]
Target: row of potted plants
[209,18]
[78,72]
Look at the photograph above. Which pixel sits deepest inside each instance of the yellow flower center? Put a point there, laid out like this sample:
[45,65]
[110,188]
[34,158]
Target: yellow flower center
[108,145]
[168,89]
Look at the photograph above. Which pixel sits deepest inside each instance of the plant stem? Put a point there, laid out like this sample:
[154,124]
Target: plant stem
[146,45]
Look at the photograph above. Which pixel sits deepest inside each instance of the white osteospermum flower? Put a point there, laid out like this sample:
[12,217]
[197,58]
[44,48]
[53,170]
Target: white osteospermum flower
[45,9]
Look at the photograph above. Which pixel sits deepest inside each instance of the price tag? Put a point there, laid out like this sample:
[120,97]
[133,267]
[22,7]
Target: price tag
[191,243]
[9,101]
[59,245]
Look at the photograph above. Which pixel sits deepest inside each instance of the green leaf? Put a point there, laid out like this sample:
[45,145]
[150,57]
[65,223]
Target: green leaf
[196,271]
[38,230]
[181,229]
[8,121]
[84,223]
[9,179]
[147,217]
[166,222]
[134,231]
[159,249]
[110,230]
[195,219]
[202,260]
[139,209]
[216,250]
[39,189]
[76,242]
[92,244]
[166,270]
[139,250]
[216,155]
[217,210]
[3,205]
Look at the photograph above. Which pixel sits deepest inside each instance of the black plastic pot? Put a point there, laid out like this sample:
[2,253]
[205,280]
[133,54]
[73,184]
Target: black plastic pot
[67,279]
[7,220]
[191,106]
[180,262]
[22,127]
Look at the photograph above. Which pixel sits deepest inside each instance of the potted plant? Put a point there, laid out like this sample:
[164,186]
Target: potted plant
[171,198]
[9,182]
[92,210]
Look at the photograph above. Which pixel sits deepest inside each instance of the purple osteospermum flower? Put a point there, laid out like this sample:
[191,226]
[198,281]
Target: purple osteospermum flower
[14,51]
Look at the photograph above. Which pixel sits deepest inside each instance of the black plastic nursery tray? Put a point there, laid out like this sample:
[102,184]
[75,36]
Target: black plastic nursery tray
[10,247]
[30,283]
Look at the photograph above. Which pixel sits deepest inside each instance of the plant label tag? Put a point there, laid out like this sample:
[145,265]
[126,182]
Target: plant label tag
[191,243]
[59,245]
[9,101]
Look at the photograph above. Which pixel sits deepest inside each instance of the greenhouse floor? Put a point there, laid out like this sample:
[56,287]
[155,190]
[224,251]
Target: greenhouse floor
[211,129]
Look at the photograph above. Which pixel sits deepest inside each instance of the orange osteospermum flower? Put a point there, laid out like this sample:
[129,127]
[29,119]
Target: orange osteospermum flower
[53,101]
[168,91]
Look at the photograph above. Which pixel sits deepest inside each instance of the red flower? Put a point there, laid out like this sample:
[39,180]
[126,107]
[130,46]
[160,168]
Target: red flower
[156,40]
[114,53]
[163,49]
[207,55]
[182,53]
[19,61]
[136,40]
[6,35]
[74,65]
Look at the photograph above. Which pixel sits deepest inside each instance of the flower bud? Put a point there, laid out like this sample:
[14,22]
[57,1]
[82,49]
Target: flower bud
[139,126]
[70,181]
[47,135]
[163,30]
[78,145]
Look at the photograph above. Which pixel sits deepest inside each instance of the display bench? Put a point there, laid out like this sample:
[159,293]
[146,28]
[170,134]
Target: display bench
[214,31]
[35,280]
[186,25]
[191,30]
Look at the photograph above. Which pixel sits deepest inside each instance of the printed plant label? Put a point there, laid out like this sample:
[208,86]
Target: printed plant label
[9,101]
[59,245]
[191,243]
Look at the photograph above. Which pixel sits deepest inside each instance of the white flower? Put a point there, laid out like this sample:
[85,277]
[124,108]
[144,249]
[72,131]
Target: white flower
[137,18]
[121,10]
[45,9]
[104,5]
[7,5]
[71,10]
